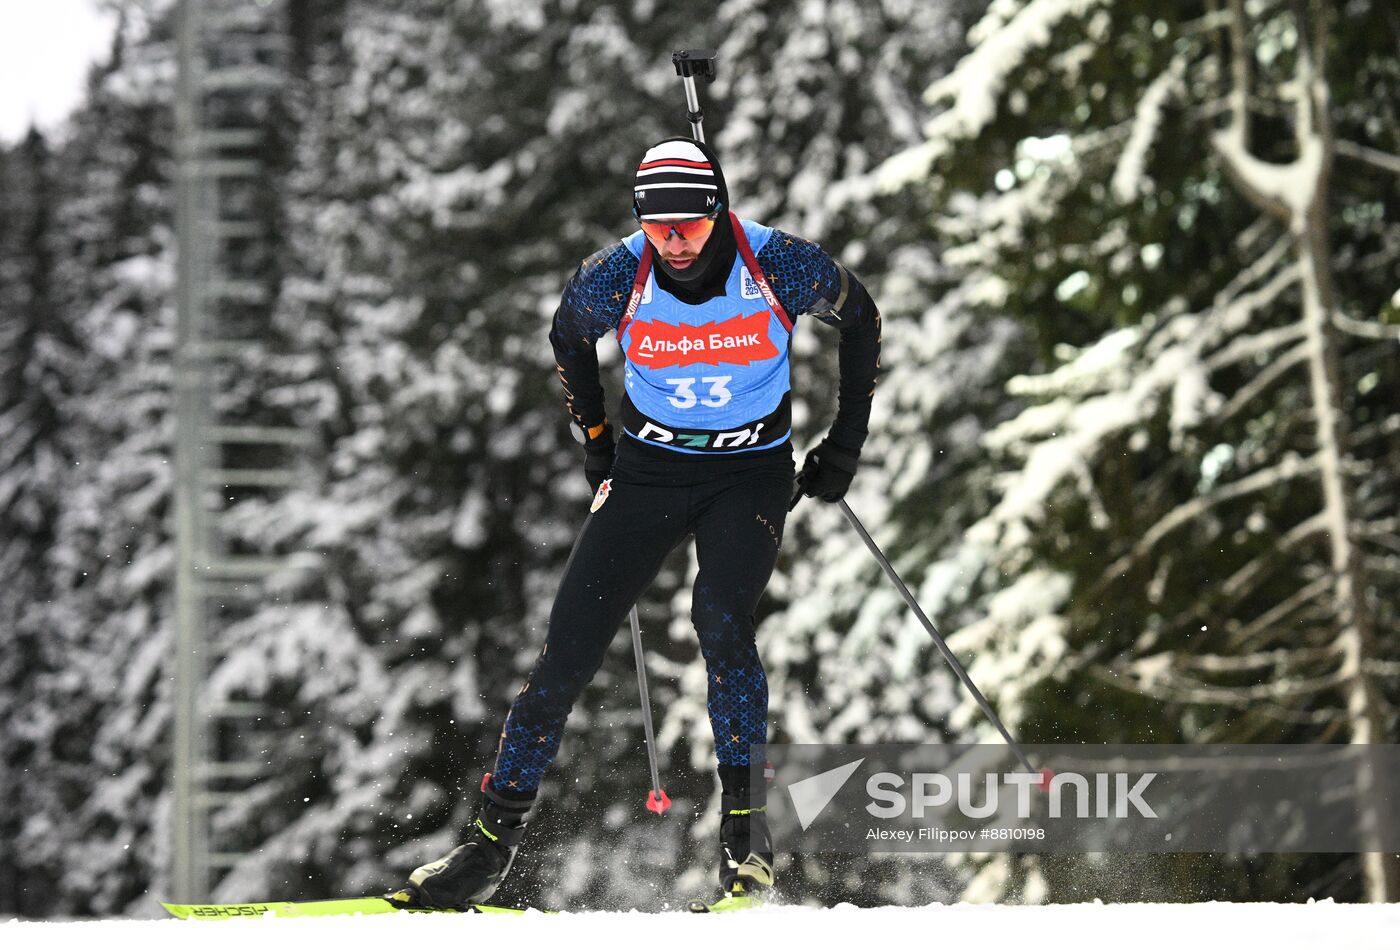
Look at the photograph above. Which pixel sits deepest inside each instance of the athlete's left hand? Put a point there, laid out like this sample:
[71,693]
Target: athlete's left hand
[826,473]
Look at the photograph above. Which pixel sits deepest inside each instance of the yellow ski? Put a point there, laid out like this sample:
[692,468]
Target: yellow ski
[332,908]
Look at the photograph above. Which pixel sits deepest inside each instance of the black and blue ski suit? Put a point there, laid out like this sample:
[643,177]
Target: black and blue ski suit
[704,451]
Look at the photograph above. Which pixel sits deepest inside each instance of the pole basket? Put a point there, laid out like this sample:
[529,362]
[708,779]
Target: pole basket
[658,805]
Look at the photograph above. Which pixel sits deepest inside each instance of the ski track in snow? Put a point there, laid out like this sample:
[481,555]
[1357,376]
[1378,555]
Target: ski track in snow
[1057,927]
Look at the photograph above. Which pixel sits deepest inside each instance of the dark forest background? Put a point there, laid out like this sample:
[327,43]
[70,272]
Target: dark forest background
[1136,440]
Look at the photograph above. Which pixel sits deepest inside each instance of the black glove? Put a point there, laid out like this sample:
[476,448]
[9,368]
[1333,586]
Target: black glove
[598,457]
[826,473]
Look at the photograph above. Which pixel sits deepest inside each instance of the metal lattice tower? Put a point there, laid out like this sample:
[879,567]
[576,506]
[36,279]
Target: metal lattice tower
[232,71]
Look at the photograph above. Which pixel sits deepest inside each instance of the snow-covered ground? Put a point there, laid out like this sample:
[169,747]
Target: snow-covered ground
[1314,926]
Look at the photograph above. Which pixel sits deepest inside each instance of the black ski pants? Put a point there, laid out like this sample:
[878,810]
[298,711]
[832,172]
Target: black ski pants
[656,498]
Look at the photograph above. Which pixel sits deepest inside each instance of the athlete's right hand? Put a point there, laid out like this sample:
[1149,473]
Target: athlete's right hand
[598,458]
[826,474]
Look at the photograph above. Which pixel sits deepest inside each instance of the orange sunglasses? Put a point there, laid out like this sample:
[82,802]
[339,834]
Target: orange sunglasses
[691,229]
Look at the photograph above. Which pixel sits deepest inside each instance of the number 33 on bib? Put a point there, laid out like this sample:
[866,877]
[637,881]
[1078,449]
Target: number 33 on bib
[708,377]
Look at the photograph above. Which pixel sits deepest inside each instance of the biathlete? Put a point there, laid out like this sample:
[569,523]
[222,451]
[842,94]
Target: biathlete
[704,305]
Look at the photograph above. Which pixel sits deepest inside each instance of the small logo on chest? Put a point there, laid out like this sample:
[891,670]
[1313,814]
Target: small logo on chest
[738,340]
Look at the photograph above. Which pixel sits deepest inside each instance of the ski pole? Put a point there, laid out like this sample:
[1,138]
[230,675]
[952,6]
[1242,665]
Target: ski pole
[691,64]
[657,799]
[1045,774]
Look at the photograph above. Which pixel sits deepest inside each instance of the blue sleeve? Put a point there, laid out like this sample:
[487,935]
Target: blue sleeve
[594,298]
[804,276]
[808,281]
[593,302]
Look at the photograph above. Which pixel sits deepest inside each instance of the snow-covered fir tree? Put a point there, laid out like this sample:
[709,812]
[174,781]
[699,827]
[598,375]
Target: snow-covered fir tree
[36,356]
[95,488]
[1193,209]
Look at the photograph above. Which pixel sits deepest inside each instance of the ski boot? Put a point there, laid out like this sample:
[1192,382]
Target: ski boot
[470,872]
[746,856]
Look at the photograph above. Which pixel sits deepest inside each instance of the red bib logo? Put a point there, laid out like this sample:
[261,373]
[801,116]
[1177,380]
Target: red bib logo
[741,340]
